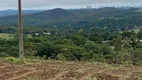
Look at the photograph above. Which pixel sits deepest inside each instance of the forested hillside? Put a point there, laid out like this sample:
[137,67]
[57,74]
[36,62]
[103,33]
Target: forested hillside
[15,12]
[110,35]
[87,18]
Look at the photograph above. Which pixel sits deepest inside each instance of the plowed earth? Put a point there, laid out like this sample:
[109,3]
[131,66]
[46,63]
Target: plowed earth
[49,70]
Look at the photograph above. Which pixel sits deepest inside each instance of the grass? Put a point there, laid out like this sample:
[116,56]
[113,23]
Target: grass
[6,36]
[15,60]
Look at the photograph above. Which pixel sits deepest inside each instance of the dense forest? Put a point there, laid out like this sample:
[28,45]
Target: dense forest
[111,35]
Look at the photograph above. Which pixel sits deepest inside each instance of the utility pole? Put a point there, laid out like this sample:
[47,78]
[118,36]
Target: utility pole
[20,28]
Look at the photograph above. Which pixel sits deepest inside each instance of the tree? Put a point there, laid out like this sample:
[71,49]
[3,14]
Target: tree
[137,56]
[70,51]
[118,46]
[140,34]
[78,40]
[46,49]
[96,38]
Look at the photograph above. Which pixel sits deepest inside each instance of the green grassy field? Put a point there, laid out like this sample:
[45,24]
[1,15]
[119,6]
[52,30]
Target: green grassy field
[6,36]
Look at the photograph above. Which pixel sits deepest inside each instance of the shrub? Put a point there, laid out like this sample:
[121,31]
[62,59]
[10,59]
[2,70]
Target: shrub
[61,57]
[14,60]
[11,59]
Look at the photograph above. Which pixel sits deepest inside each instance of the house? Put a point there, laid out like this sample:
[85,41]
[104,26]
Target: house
[36,34]
[46,33]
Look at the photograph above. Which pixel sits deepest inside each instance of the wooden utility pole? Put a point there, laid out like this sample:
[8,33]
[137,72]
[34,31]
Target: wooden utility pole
[21,49]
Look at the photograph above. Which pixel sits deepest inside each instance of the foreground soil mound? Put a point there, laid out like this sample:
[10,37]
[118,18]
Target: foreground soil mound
[55,70]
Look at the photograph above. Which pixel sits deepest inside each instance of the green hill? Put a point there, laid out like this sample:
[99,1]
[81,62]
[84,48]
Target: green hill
[102,17]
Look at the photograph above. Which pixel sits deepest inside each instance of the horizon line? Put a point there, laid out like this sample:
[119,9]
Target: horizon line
[83,7]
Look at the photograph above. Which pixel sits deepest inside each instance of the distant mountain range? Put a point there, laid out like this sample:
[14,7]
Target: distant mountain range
[106,17]
[14,12]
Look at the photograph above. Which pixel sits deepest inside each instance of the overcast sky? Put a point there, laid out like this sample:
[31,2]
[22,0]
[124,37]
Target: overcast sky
[47,4]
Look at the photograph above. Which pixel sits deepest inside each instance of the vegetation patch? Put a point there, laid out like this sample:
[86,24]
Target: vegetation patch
[6,36]
[14,60]
[138,10]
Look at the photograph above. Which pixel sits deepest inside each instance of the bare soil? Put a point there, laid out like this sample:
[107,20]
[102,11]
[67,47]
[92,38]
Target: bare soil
[56,70]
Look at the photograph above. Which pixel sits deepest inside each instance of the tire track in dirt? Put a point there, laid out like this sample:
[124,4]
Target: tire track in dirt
[11,71]
[58,76]
[22,75]
[9,68]
[96,72]
[45,70]
[9,75]
[66,70]
[4,66]
[71,73]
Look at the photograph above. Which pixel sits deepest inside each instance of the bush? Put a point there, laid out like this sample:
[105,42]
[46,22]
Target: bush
[14,60]
[61,57]
[11,59]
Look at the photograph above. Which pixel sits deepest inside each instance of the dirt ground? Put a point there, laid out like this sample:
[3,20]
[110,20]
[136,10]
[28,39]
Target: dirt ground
[49,70]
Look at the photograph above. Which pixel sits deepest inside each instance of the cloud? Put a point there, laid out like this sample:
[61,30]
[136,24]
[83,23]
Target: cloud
[51,3]
[75,2]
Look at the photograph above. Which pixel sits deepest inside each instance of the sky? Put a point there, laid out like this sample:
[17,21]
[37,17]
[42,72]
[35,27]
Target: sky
[49,4]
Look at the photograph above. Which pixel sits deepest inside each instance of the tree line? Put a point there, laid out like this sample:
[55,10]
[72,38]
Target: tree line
[100,45]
